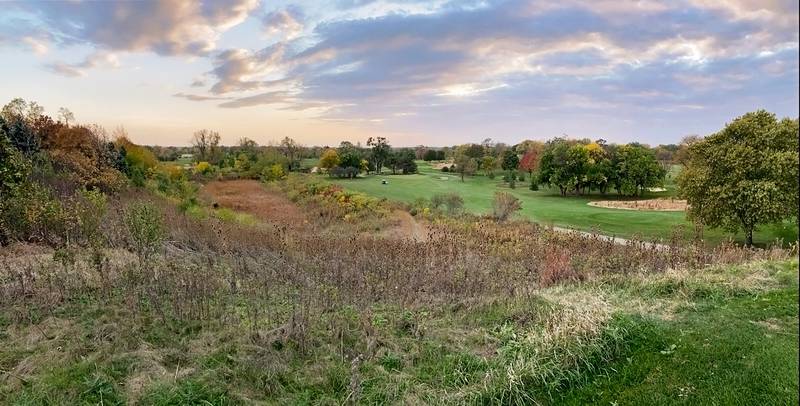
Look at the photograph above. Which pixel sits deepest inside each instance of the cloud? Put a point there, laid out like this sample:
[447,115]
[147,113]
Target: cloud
[38,46]
[165,27]
[239,69]
[286,23]
[275,97]
[197,97]
[94,60]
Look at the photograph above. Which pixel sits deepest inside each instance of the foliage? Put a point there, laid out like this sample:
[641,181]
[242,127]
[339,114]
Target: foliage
[13,167]
[329,159]
[744,175]
[380,151]
[273,173]
[510,160]
[637,170]
[464,163]
[581,167]
[402,160]
[489,164]
[203,168]
[290,149]
[145,228]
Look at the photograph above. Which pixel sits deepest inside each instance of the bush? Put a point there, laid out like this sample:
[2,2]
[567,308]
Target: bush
[203,168]
[452,201]
[445,169]
[273,172]
[504,205]
[145,228]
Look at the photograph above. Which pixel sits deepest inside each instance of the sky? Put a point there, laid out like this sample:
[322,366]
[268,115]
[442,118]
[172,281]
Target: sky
[438,72]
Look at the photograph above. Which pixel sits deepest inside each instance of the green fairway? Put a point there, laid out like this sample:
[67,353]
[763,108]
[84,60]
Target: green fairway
[547,206]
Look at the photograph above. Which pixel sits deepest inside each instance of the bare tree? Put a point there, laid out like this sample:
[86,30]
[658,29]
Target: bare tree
[206,142]
[65,115]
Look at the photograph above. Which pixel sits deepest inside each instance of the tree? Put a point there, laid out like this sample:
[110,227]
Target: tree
[489,164]
[329,159]
[206,142]
[637,169]
[12,165]
[476,152]
[530,161]
[289,148]
[553,164]
[403,160]
[430,155]
[64,114]
[510,160]
[744,175]
[380,151]
[465,164]
[349,165]
[682,154]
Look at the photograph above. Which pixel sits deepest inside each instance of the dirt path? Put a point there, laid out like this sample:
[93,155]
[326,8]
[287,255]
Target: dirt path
[404,225]
[252,197]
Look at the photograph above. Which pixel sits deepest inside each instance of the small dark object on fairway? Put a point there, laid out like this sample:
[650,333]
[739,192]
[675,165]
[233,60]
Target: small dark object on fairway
[384,182]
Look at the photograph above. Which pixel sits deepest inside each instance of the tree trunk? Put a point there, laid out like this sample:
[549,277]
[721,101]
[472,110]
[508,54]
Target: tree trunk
[749,236]
[462,176]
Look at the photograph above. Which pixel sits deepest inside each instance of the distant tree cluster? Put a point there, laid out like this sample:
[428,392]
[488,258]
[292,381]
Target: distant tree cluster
[433,155]
[580,167]
[349,160]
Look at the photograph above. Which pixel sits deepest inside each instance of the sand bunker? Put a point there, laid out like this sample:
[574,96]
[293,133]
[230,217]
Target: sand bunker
[650,204]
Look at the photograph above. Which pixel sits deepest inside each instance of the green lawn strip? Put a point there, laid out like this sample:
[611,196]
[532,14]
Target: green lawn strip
[736,350]
[548,207]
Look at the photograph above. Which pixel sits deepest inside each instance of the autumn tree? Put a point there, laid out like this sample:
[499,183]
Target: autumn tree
[329,159]
[744,175]
[489,165]
[530,160]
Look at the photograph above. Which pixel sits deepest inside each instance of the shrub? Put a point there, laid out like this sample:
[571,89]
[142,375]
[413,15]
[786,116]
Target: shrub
[452,201]
[273,172]
[145,228]
[203,168]
[445,169]
[504,205]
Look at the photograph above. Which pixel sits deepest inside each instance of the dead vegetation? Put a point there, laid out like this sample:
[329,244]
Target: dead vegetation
[216,292]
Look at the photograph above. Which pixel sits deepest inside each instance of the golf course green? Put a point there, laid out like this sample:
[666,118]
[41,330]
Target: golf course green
[546,206]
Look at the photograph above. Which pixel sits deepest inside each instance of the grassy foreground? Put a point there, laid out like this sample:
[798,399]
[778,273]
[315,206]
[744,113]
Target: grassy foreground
[721,336]
[548,207]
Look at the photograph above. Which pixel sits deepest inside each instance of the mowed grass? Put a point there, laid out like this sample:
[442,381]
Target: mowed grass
[740,350]
[548,207]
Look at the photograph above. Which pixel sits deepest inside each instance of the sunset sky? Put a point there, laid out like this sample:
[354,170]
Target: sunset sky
[417,72]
